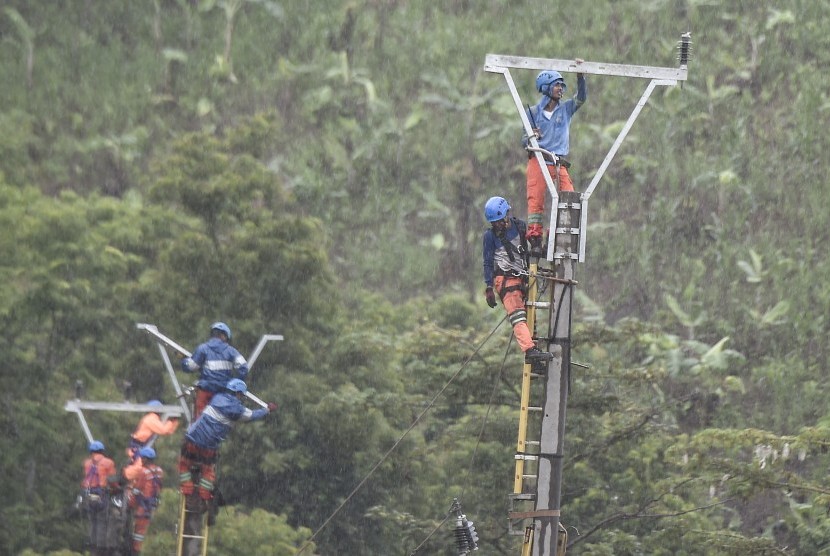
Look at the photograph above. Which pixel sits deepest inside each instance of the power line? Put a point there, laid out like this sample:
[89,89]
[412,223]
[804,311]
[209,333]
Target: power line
[307,543]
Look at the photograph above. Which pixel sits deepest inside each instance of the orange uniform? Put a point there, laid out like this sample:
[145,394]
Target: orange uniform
[142,497]
[536,188]
[97,468]
[151,424]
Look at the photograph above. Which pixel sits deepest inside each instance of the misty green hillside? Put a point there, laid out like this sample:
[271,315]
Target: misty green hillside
[319,169]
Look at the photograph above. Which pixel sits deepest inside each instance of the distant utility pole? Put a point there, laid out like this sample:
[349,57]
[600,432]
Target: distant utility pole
[544,535]
[78,405]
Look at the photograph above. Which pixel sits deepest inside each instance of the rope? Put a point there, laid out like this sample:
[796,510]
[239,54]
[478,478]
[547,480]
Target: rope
[307,543]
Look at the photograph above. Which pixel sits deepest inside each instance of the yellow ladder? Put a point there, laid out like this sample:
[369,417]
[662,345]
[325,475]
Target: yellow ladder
[527,375]
[522,500]
[194,526]
[526,462]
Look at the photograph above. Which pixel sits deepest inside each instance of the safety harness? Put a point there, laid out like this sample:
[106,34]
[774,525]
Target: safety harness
[94,493]
[512,252]
[147,502]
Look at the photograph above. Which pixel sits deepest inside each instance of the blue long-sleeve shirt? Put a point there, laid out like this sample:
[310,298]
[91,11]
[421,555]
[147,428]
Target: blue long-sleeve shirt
[495,256]
[213,425]
[217,362]
[555,130]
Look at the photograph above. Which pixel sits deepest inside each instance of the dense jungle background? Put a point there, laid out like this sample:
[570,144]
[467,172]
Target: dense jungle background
[318,170]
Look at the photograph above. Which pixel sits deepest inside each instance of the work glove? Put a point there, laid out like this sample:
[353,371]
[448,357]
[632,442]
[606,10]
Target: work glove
[491,297]
[272,407]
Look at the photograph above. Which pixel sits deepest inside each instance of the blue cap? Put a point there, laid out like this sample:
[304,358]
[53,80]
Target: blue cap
[221,327]
[236,385]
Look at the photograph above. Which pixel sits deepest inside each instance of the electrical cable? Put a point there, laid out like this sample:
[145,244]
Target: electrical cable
[475,449]
[307,543]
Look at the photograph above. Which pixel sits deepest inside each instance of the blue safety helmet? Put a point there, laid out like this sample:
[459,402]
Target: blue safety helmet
[147,452]
[236,385]
[546,79]
[221,327]
[155,403]
[96,446]
[496,209]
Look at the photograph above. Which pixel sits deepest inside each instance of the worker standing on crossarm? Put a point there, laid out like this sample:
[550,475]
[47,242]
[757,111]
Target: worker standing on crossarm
[505,271]
[144,481]
[551,121]
[99,476]
[150,426]
[203,437]
[217,361]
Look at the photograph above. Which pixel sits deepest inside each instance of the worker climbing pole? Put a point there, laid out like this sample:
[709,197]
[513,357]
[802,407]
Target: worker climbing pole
[535,504]
[197,509]
[218,405]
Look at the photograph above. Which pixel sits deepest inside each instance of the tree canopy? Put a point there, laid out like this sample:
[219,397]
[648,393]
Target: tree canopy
[319,169]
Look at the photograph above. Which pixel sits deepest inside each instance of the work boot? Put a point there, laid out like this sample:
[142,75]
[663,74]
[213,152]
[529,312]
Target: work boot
[536,354]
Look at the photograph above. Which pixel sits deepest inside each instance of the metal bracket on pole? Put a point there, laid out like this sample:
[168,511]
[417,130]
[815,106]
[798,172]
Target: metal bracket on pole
[70,406]
[77,407]
[495,62]
[162,339]
[153,330]
[658,76]
[258,349]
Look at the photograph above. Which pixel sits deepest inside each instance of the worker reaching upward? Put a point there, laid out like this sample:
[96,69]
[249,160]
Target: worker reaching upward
[505,271]
[217,361]
[551,121]
[148,428]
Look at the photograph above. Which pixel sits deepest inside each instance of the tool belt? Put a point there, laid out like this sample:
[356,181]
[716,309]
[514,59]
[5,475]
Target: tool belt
[497,271]
[549,159]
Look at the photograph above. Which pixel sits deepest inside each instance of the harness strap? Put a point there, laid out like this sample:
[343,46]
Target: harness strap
[510,247]
[92,480]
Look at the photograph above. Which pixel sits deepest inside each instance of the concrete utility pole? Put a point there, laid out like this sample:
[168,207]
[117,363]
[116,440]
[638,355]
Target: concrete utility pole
[543,533]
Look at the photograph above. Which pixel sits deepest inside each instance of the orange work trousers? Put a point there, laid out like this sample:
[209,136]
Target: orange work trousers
[509,289]
[536,188]
[141,522]
[204,460]
[203,398]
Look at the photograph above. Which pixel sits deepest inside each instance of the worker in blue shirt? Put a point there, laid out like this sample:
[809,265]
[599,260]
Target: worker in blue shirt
[551,121]
[217,362]
[206,434]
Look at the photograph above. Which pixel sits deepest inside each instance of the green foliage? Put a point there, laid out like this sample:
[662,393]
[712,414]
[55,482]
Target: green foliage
[318,169]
